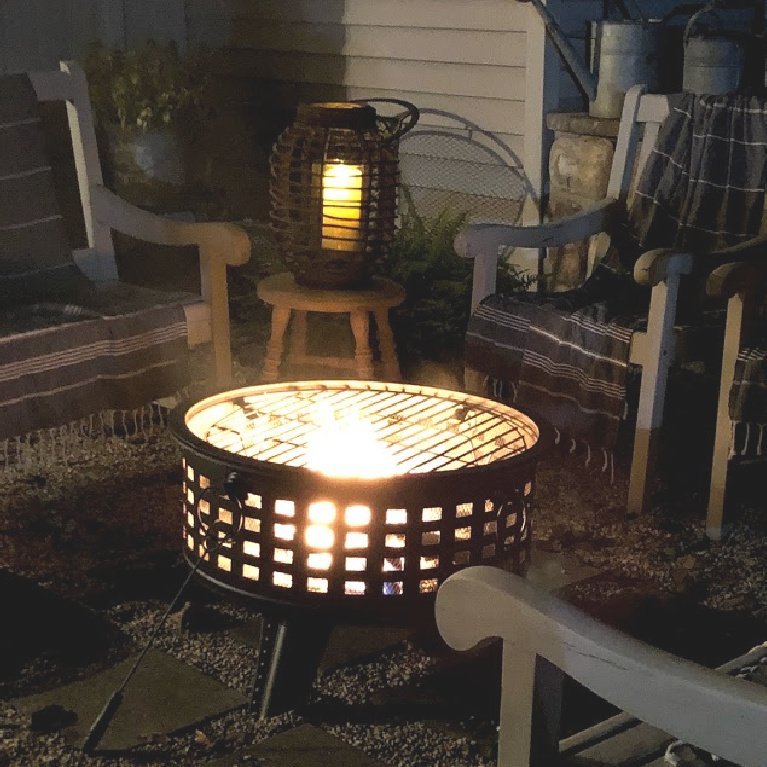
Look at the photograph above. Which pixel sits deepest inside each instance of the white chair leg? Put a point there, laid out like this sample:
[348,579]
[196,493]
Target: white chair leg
[733,335]
[652,394]
[516,716]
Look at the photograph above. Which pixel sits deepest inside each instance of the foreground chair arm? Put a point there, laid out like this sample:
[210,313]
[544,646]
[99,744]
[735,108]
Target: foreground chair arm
[481,240]
[220,244]
[660,265]
[721,714]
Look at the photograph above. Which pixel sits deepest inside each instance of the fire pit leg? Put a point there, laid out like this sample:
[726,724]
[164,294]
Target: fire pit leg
[289,654]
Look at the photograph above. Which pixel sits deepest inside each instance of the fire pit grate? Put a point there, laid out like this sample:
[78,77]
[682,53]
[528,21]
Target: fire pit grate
[440,480]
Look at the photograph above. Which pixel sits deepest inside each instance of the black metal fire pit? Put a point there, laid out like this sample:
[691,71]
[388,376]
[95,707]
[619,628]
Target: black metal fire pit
[352,500]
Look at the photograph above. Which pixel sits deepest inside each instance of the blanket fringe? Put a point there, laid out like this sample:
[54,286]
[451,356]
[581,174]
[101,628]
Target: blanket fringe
[40,448]
[746,439]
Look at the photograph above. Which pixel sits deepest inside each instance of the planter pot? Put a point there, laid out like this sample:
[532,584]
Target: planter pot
[146,166]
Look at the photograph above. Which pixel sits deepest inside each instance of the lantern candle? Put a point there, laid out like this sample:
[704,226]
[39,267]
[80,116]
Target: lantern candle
[341,206]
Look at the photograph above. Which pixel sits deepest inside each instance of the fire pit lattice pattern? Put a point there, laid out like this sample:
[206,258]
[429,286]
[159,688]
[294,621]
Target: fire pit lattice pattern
[456,490]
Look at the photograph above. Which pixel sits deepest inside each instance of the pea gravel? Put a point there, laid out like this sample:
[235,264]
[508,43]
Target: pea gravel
[96,504]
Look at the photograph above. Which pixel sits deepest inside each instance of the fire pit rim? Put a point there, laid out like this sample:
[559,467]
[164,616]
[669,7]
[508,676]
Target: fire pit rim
[184,435]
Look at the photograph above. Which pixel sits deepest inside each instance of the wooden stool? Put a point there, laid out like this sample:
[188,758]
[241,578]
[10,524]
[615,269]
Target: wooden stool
[285,297]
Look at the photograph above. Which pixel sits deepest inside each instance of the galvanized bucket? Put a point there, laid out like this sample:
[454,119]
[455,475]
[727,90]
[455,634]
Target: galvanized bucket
[712,65]
[627,52]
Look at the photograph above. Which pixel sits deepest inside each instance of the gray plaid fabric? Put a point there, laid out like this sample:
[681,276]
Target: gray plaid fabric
[704,186]
[566,355]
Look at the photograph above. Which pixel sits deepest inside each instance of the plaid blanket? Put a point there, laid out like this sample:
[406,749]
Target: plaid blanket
[566,355]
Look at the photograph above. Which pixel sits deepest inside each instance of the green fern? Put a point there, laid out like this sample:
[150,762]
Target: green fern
[432,321]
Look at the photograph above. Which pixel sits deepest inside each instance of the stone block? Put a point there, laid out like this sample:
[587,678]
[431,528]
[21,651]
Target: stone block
[580,165]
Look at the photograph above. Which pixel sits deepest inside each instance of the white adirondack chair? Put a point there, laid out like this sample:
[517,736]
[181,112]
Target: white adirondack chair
[663,697]
[661,345]
[219,243]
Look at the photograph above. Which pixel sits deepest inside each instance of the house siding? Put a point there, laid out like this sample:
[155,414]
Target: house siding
[483,62]
[37,34]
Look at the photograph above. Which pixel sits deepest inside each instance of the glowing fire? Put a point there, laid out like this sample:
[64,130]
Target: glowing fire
[348,447]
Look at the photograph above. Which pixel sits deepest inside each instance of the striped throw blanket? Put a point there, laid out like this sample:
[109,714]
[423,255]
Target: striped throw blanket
[67,349]
[566,355]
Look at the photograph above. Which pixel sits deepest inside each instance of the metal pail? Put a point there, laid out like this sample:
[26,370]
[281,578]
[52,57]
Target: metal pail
[712,65]
[629,52]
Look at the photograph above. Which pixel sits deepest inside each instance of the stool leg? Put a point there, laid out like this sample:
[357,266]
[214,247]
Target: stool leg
[363,357]
[280,320]
[298,335]
[388,350]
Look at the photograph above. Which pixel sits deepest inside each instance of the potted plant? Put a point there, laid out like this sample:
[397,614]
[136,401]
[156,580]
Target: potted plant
[145,100]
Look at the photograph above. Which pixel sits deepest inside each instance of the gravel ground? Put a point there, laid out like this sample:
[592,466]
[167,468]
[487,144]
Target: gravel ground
[111,506]
[99,512]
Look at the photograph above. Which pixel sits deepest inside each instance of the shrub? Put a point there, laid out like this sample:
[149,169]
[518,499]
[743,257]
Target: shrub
[149,87]
[431,323]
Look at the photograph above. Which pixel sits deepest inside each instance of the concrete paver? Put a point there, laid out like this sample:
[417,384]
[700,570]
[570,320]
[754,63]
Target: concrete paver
[303,746]
[164,695]
[553,571]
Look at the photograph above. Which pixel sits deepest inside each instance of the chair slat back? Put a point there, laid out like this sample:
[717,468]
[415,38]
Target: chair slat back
[643,114]
[70,85]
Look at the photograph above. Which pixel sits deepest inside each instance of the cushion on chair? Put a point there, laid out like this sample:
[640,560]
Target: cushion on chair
[35,260]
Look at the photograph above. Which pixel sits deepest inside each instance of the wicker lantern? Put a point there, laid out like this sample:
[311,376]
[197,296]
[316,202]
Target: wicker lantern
[334,194]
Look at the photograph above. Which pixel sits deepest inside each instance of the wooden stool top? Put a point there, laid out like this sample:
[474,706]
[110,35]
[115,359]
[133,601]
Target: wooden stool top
[281,290]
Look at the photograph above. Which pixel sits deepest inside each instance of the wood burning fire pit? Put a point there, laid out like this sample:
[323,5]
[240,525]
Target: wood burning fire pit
[354,499]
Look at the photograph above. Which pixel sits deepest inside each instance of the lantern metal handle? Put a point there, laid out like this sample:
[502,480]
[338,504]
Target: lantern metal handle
[403,122]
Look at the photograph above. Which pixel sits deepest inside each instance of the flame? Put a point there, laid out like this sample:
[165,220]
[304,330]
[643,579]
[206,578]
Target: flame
[341,206]
[348,447]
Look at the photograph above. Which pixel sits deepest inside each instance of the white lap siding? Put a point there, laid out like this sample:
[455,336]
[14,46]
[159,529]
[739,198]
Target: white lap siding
[487,62]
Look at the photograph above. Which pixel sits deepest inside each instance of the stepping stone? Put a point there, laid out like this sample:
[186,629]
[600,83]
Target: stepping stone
[163,696]
[552,572]
[353,644]
[303,746]
[42,624]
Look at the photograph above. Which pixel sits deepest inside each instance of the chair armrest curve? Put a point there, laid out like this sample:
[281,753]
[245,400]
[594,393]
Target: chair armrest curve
[479,237]
[728,279]
[658,265]
[221,241]
[661,689]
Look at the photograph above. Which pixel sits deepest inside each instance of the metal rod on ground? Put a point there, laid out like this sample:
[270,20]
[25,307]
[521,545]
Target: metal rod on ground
[216,535]
[99,726]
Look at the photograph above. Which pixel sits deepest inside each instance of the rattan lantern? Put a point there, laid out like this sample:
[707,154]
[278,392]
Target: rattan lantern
[334,194]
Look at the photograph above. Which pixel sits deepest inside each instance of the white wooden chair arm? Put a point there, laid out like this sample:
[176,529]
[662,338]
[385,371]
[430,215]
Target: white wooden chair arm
[721,714]
[480,237]
[658,265]
[728,279]
[221,242]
